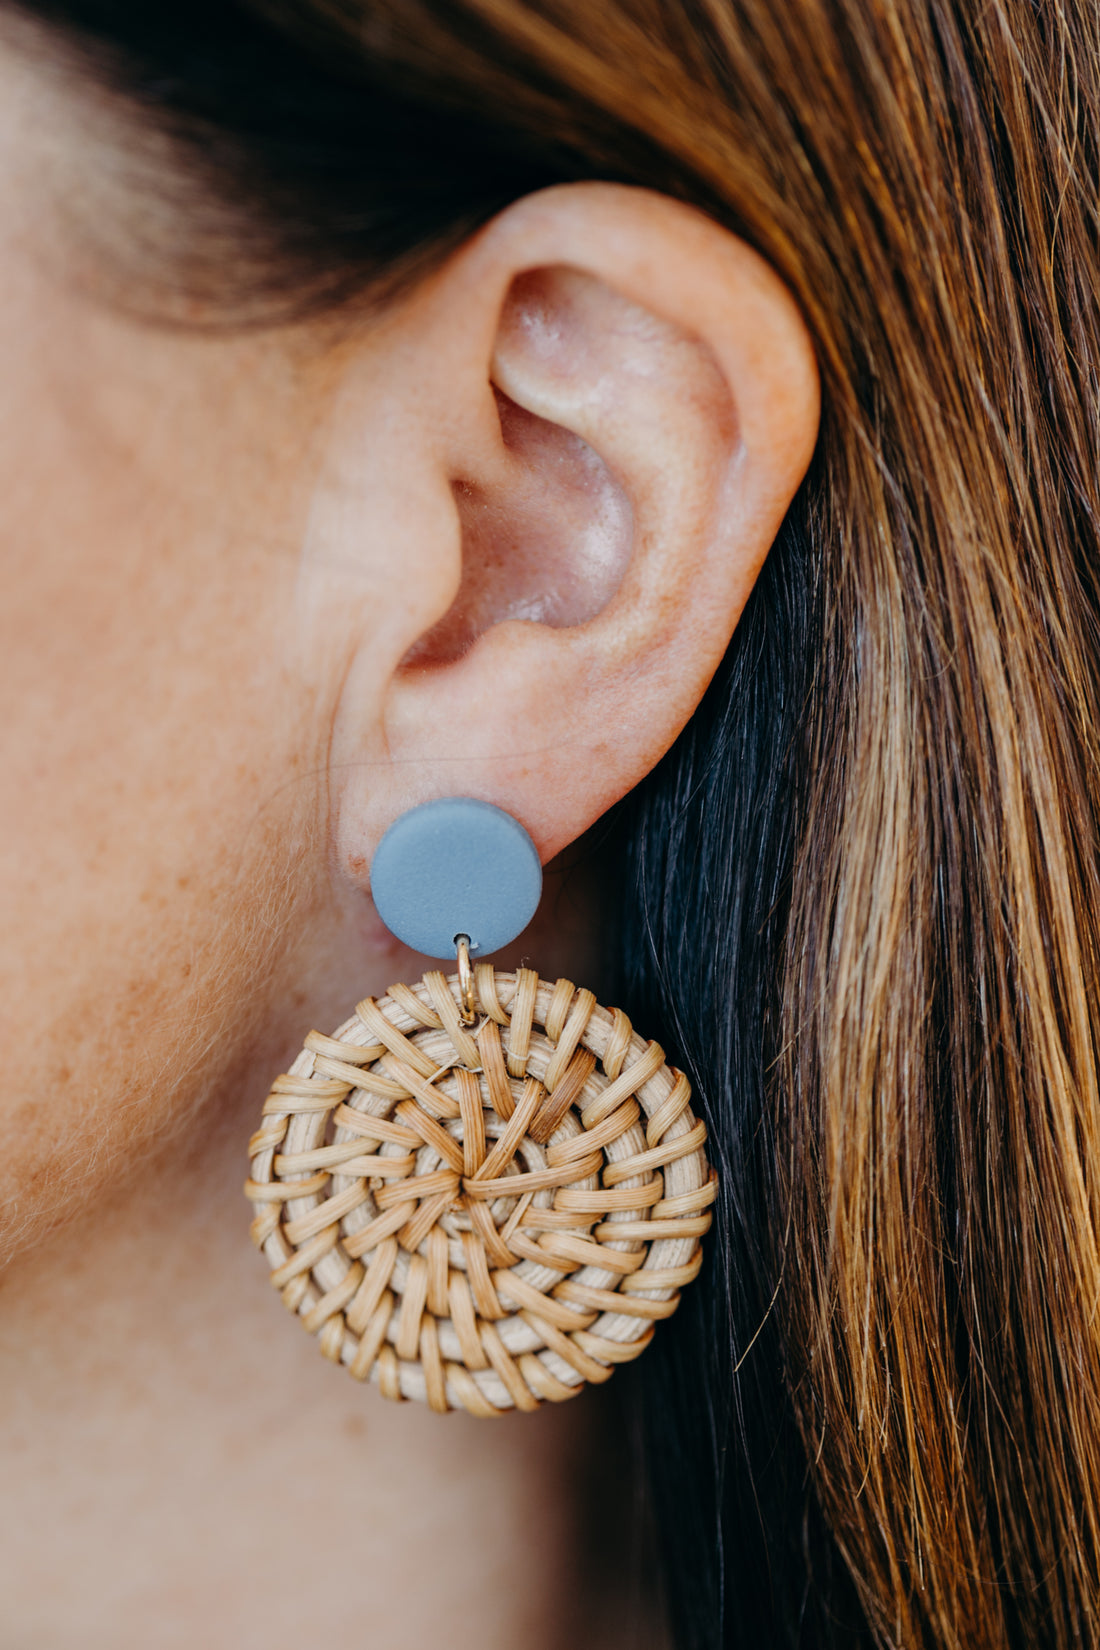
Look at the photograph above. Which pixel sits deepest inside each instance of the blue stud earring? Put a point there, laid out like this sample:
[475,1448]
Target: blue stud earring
[456,878]
[484,1190]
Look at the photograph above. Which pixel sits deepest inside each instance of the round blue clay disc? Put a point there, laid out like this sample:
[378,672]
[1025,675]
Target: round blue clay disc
[456,866]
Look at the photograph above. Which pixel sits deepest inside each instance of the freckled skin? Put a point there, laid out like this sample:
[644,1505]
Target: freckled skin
[171,927]
[222,552]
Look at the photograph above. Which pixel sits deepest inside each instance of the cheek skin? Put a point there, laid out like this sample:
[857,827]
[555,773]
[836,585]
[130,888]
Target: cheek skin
[163,748]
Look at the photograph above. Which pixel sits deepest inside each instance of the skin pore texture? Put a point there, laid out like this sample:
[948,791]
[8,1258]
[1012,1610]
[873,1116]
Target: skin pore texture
[263,591]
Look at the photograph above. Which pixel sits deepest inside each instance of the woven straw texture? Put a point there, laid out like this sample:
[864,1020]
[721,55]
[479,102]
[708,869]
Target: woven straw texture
[481,1218]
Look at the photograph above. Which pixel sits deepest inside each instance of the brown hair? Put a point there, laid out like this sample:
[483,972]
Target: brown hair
[865,887]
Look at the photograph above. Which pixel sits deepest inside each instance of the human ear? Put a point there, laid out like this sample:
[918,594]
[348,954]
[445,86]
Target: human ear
[612,401]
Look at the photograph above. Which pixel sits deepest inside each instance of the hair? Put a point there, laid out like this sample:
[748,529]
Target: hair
[861,895]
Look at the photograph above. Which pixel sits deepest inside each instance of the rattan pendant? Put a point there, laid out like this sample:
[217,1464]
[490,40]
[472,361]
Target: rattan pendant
[483,1191]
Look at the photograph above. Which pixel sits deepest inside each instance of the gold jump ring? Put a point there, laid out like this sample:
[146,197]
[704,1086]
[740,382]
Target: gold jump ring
[466,979]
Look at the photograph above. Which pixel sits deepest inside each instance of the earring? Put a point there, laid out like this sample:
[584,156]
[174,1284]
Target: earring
[484,1190]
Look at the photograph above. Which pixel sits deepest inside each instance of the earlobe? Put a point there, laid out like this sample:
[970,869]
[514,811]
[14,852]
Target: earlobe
[642,402]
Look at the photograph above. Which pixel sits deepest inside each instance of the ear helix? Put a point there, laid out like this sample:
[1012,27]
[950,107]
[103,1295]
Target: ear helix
[483,1191]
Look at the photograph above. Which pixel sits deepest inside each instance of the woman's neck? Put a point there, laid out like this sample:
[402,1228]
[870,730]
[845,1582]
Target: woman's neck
[182,1468]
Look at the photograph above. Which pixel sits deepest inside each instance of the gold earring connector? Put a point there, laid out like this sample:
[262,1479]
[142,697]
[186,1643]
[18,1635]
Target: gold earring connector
[466,979]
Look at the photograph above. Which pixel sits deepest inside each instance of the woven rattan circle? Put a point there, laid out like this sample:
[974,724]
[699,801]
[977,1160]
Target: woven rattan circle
[487,1217]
